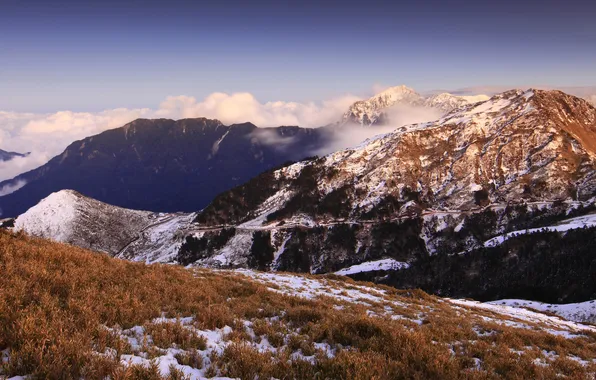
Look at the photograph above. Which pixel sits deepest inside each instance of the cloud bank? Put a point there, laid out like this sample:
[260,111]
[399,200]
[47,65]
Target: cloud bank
[47,135]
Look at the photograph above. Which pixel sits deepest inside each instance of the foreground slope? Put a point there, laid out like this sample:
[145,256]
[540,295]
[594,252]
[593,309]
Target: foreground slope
[67,312]
[162,165]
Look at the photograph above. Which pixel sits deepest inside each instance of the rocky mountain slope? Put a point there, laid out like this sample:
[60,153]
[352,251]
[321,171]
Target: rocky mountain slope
[162,165]
[7,156]
[69,217]
[377,109]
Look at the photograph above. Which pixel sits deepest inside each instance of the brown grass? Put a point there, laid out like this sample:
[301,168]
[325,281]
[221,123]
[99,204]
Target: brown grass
[60,306]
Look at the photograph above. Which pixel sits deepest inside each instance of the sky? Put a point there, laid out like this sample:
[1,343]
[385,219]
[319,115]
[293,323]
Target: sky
[71,69]
[91,56]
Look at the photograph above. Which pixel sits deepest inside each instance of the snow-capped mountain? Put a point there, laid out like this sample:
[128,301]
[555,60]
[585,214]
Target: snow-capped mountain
[447,102]
[69,217]
[7,156]
[377,109]
[370,111]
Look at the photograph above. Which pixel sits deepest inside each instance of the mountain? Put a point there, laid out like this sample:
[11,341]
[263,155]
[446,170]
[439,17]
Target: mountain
[424,206]
[69,217]
[7,156]
[162,165]
[447,102]
[370,111]
[521,157]
[378,109]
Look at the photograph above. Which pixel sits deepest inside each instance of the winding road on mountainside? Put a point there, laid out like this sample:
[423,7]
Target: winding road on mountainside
[427,212]
[162,221]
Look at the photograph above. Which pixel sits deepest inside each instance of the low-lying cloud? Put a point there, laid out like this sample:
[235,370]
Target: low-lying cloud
[399,115]
[47,135]
[11,188]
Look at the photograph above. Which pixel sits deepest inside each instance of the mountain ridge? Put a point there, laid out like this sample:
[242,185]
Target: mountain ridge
[163,165]
[376,109]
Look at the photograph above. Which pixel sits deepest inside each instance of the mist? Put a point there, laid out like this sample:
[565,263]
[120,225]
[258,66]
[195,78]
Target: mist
[11,188]
[349,136]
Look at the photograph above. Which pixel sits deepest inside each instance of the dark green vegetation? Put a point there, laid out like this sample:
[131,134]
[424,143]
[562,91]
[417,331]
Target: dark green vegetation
[545,266]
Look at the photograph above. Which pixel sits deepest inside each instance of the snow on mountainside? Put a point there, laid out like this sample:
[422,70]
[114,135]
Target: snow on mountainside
[377,109]
[517,145]
[447,102]
[397,196]
[584,312]
[367,112]
[67,216]
[585,221]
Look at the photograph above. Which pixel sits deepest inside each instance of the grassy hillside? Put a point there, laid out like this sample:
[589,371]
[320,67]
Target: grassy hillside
[70,313]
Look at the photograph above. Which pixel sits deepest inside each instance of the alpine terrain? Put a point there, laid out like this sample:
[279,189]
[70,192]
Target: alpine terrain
[71,313]
[378,109]
[162,165]
[424,206]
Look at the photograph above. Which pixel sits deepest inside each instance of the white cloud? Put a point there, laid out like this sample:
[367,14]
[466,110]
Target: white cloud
[11,188]
[399,115]
[47,135]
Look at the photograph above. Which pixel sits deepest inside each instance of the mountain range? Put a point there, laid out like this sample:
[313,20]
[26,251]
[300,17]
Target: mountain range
[456,206]
[162,164]
[169,166]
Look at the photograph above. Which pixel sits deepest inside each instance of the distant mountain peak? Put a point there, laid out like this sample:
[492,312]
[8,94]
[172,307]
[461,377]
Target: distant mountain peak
[373,111]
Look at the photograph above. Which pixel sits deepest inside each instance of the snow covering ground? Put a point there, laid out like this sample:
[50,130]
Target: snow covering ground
[216,343]
[369,266]
[578,312]
[525,318]
[52,217]
[314,287]
[563,226]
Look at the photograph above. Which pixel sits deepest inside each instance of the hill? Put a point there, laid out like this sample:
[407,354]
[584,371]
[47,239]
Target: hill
[71,313]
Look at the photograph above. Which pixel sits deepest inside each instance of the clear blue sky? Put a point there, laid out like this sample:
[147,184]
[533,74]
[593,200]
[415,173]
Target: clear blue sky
[81,55]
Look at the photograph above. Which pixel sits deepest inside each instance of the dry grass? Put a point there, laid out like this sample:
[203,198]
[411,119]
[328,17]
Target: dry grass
[60,306]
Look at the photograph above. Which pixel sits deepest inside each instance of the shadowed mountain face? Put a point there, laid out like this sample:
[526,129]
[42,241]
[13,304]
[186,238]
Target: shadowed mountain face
[7,156]
[163,165]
